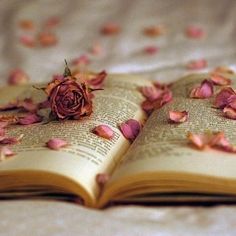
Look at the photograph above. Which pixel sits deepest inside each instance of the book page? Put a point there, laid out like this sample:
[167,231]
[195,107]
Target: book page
[163,148]
[87,154]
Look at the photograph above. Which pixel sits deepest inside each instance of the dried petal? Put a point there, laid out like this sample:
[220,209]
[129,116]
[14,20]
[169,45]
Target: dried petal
[178,116]
[11,140]
[205,90]
[230,112]
[218,79]
[97,81]
[130,129]
[110,28]
[102,179]
[154,31]
[197,64]
[10,119]
[151,93]
[5,152]
[82,60]
[3,124]
[223,69]
[27,41]
[47,39]
[28,105]
[151,50]
[56,143]
[225,97]
[103,131]
[30,119]
[18,77]
[200,141]
[194,32]
[52,22]
[26,24]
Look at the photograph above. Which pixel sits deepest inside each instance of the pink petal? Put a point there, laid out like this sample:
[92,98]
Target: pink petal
[198,140]
[178,116]
[151,93]
[110,28]
[218,79]
[52,22]
[103,131]
[205,90]
[82,60]
[154,31]
[194,32]
[18,77]
[147,106]
[98,81]
[56,143]
[27,41]
[26,24]
[5,152]
[151,50]
[10,140]
[230,112]
[30,119]
[102,179]
[197,64]
[130,129]
[47,39]
[224,97]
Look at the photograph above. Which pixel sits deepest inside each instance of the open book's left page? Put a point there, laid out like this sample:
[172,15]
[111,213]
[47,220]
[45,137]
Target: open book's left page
[75,167]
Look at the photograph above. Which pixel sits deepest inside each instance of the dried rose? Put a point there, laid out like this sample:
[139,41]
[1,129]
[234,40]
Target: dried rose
[130,129]
[218,79]
[18,77]
[56,143]
[197,64]
[205,90]
[69,99]
[224,97]
[178,116]
[103,131]
[194,32]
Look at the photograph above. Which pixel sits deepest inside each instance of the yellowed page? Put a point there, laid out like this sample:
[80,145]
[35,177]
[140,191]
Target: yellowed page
[162,150]
[87,154]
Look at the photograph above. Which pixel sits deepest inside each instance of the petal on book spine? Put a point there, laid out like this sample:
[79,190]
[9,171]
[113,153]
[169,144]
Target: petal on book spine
[103,131]
[130,129]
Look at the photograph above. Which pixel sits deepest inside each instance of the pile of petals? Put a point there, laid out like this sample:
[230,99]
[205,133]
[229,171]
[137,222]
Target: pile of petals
[226,100]
[215,140]
[156,96]
[178,116]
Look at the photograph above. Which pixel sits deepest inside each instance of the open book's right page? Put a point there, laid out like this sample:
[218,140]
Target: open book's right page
[161,158]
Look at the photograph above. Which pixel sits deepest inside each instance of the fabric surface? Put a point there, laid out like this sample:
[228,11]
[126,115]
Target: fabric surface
[78,30]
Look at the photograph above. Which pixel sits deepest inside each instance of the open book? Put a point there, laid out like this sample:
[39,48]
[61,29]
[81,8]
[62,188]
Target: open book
[158,165]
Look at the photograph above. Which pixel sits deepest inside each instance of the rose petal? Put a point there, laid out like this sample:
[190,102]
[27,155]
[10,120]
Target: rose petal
[205,90]
[82,60]
[223,69]
[154,31]
[110,28]
[5,152]
[18,77]
[47,39]
[224,97]
[151,50]
[147,106]
[3,124]
[178,116]
[27,41]
[200,141]
[98,81]
[52,22]
[26,24]
[103,131]
[194,32]
[130,129]
[102,179]
[28,105]
[151,93]
[30,119]
[197,64]
[218,79]
[56,143]
[11,140]
[230,112]
[10,119]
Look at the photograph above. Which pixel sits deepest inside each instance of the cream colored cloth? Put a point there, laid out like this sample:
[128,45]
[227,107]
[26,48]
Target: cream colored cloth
[79,29]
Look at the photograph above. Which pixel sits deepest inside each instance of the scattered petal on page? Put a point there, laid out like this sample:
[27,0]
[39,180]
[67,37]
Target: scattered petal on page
[205,90]
[28,41]
[151,50]
[178,116]
[230,112]
[30,119]
[147,106]
[26,24]
[218,79]
[56,143]
[47,39]
[82,60]
[52,22]
[97,82]
[130,129]
[5,152]
[194,32]
[103,131]
[224,97]
[197,64]
[151,93]
[10,119]
[200,141]
[10,140]
[18,77]
[223,69]
[154,31]
[110,28]
[102,179]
